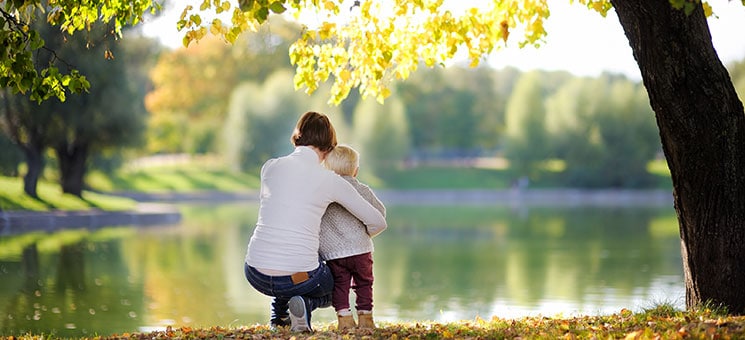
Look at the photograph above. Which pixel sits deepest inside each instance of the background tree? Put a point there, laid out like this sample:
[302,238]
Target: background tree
[236,135]
[25,128]
[423,100]
[604,130]
[106,117]
[491,89]
[380,132]
[261,119]
[573,132]
[266,120]
[189,96]
[108,159]
[11,157]
[526,139]
[192,86]
[628,132]
[453,112]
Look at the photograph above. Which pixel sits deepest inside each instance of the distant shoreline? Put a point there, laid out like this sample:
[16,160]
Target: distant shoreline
[154,208]
[551,197]
[25,221]
[531,197]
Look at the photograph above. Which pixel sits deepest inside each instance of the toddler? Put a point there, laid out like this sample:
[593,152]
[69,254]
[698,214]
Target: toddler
[346,245]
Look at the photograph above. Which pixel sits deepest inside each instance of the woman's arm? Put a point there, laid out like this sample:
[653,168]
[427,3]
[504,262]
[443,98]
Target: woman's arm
[370,197]
[346,195]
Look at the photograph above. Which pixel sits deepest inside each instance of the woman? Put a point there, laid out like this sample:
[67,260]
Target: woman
[282,259]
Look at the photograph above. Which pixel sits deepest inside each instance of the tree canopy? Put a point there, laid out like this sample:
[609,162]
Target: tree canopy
[355,44]
[20,41]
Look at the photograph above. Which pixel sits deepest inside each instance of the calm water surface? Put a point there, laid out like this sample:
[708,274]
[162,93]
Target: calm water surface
[439,263]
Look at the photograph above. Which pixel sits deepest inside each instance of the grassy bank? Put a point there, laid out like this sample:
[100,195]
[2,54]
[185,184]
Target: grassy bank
[661,322]
[194,177]
[491,175]
[12,197]
[206,175]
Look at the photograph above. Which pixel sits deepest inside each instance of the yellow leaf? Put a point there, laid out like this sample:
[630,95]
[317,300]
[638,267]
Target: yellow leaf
[186,11]
[216,27]
[326,30]
[330,6]
[633,335]
[707,9]
[345,75]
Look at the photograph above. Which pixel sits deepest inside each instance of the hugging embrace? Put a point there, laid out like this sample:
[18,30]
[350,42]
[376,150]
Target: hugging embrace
[313,233]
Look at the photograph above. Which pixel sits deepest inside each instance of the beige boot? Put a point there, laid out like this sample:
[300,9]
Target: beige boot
[346,322]
[366,320]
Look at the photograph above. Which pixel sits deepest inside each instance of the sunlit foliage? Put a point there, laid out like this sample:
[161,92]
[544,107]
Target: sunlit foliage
[362,44]
[21,41]
[367,44]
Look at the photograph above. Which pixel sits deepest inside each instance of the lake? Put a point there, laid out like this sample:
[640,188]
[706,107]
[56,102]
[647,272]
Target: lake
[435,262]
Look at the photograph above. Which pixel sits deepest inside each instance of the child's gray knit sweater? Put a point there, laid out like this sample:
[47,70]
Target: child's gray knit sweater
[342,234]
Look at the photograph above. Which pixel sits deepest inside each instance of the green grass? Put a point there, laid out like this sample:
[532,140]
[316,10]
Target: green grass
[187,178]
[453,177]
[12,197]
[206,175]
[439,177]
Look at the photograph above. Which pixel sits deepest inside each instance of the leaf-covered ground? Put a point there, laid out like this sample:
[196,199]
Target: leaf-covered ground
[658,323]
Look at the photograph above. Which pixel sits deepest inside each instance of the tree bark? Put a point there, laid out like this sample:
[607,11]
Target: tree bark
[31,140]
[702,129]
[72,158]
[35,165]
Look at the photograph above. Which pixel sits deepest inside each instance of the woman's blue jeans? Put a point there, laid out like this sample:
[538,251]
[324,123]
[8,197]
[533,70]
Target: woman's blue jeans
[316,291]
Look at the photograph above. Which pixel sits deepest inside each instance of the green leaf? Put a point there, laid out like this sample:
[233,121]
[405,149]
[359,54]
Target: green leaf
[246,5]
[689,7]
[35,40]
[277,7]
[196,19]
[262,14]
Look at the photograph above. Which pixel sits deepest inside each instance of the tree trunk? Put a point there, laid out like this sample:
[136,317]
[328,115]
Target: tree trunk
[35,164]
[702,128]
[72,158]
[28,140]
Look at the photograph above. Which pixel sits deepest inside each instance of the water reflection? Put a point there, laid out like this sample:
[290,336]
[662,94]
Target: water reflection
[433,263]
[81,289]
[550,261]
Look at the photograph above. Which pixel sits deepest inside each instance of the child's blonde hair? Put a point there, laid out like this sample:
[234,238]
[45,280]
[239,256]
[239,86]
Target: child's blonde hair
[343,159]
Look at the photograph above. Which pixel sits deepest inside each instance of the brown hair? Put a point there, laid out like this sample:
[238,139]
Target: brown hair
[314,129]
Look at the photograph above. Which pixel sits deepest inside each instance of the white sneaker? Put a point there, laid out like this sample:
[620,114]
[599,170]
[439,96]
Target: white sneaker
[299,315]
